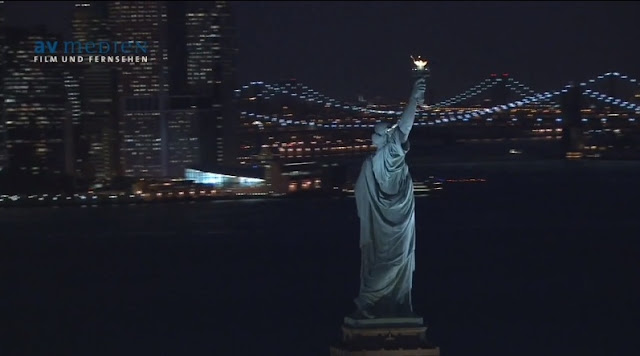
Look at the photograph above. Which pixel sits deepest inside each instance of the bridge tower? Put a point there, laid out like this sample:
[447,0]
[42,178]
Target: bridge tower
[500,96]
[500,92]
[611,87]
[572,133]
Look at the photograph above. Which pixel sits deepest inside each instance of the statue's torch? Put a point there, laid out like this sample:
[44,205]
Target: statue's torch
[420,70]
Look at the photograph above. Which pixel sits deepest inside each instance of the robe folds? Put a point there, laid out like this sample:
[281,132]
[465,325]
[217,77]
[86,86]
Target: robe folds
[386,209]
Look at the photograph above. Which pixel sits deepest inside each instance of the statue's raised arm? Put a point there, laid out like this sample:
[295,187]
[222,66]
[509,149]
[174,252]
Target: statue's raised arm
[408,115]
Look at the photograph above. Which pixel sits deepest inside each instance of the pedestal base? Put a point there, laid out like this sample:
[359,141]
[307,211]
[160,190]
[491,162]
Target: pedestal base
[383,322]
[384,337]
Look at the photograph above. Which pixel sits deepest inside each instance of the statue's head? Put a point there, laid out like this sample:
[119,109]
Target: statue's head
[380,134]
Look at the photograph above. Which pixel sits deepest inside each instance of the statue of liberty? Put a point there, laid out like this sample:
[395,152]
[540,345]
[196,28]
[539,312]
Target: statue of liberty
[386,208]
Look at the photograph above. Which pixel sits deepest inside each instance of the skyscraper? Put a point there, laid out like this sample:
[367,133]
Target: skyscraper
[71,79]
[91,21]
[97,130]
[143,87]
[35,111]
[211,58]
[185,109]
[98,133]
[173,111]
[183,118]
[177,47]
[3,147]
[2,13]
[200,121]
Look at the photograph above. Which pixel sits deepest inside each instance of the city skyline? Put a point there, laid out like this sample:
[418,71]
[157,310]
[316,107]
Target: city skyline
[176,111]
[91,121]
[236,178]
[346,49]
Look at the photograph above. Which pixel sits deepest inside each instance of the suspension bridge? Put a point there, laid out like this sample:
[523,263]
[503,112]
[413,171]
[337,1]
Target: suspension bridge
[441,113]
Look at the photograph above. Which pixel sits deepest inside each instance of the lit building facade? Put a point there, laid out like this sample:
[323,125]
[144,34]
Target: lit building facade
[143,88]
[71,77]
[222,180]
[3,132]
[191,53]
[211,73]
[279,122]
[96,133]
[91,21]
[35,108]
[2,10]
[183,134]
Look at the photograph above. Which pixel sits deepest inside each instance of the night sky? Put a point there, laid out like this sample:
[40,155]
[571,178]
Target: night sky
[346,48]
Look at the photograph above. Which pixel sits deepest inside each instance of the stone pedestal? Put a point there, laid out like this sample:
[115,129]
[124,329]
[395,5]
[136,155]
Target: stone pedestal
[384,337]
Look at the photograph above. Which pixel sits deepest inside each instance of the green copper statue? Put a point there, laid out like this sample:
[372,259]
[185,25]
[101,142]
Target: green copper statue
[386,208]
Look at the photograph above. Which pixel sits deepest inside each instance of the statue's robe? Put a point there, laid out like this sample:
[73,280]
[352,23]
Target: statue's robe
[386,208]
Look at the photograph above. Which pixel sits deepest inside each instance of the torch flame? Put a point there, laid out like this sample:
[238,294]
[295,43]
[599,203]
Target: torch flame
[419,63]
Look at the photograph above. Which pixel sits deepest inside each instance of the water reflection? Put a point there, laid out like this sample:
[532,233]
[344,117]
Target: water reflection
[521,257]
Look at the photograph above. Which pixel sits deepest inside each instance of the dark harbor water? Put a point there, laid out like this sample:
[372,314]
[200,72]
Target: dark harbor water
[533,262]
